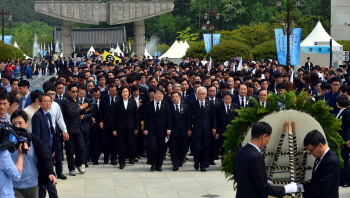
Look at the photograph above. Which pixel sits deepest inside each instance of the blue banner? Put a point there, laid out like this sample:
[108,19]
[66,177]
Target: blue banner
[281,44]
[7,39]
[207,41]
[155,54]
[315,49]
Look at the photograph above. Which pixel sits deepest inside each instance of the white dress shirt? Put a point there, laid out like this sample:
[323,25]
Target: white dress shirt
[254,146]
[240,100]
[125,104]
[226,107]
[56,116]
[340,112]
[178,106]
[262,104]
[137,100]
[110,100]
[321,158]
[200,103]
[155,105]
[24,100]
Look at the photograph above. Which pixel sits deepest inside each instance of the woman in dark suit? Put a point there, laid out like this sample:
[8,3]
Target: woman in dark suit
[344,116]
[125,125]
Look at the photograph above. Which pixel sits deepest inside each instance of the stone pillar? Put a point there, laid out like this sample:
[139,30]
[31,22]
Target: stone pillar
[67,39]
[139,38]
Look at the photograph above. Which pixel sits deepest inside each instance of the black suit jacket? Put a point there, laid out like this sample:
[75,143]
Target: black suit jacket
[179,121]
[218,101]
[236,100]
[125,118]
[325,180]
[157,121]
[41,128]
[223,119]
[202,122]
[345,127]
[250,175]
[141,110]
[191,98]
[271,88]
[105,111]
[307,66]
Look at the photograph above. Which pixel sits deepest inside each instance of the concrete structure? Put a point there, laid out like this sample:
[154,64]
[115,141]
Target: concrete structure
[93,12]
[340,19]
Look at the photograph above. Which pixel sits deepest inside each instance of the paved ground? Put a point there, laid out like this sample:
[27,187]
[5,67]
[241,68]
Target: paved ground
[134,181]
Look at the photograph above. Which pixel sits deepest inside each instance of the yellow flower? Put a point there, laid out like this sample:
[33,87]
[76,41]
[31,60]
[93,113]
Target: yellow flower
[341,117]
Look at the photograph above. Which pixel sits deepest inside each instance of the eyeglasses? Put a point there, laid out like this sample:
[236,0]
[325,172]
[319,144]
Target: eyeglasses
[336,85]
[313,149]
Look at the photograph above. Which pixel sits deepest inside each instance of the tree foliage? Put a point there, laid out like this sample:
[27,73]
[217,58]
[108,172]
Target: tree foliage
[228,49]
[196,49]
[346,45]
[265,50]
[186,35]
[7,52]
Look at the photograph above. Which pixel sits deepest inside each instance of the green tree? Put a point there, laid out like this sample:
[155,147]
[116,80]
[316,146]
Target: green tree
[196,50]
[265,50]
[18,53]
[163,48]
[6,52]
[186,35]
[346,45]
[228,49]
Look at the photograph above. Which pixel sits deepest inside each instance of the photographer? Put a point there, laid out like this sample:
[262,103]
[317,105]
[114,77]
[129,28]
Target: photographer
[37,165]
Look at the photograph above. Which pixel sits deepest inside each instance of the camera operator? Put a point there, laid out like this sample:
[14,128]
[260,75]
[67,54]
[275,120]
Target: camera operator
[71,114]
[37,166]
[9,171]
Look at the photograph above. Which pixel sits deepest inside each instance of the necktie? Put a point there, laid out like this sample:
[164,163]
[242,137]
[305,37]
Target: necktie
[157,111]
[202,107]
[263,104]
[242,103]
[316,163]
[183,94]
[60,98]
[228,110]
[112,101]
[177,108]
[48,119]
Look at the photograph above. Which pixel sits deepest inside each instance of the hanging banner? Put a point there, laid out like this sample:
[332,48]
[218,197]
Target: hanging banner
[7,39]
[207,41]
[281,44]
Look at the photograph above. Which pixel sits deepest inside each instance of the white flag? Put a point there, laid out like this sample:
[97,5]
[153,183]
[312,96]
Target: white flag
[48,49]
[123,47]
[129,46]
[51,47]
[239,68]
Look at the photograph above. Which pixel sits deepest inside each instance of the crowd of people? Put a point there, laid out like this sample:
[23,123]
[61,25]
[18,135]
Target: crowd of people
[142,108]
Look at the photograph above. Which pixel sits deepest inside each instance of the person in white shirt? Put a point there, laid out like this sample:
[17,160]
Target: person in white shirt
[31,109]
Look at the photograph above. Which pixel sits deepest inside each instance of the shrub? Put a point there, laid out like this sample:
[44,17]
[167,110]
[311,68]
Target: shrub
[196,50]
[6,52]
[265,50]
[228,49]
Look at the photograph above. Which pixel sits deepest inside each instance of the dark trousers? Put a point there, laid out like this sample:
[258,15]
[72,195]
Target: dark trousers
[109,144]
[86,134]
[43,71]
[201,145]
[95,142]
[212,148]
[139,144]
[51,189]
[125,138]
[345,171]
[156,146]
[178,148]
[219,149]
[76,140]
[57,66]
[58,154]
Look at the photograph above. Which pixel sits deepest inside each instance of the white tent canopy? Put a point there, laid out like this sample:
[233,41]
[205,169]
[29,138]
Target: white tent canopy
[147,54]
[15,45]
[318,34]
[91,49]
[118,51]
[175,51]
[182,45]
[186,44]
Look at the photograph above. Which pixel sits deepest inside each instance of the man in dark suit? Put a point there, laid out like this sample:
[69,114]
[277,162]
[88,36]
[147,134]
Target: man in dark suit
[185,90]
[63,64]
[157,120]
[96,136]
[212,95]
[326,170]
[43,128]
[178,138]
[183,99]
[308,65]
[342,102]
[249,167]
[278,79]
[241,99]
[262,94]
[204,126]
[225,113]
[105,118]
[193,97]
[223,87]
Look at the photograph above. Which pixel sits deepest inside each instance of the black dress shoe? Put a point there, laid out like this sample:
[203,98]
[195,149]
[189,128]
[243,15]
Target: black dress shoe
[86,165]
[203,169]
[345,185]
[176,168]
[196,166]
[114,162]
[180,164]
[106,161]
[131,162]
[212,163]
[96,163]
[152,168]
[158,169]
[121,167]
[217,157]
[61,176]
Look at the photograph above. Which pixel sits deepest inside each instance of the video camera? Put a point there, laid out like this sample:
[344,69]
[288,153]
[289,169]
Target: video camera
[91,102]
[11,137]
